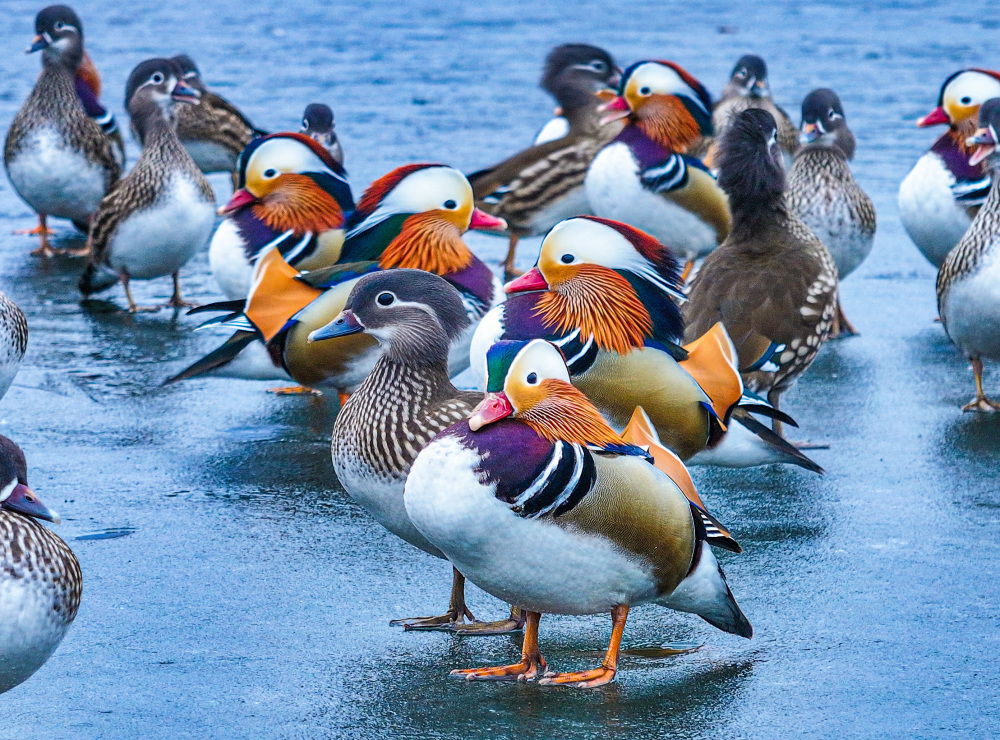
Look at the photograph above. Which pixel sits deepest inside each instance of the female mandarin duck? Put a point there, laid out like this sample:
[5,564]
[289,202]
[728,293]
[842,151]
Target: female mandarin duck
[40,579]
[824,194]
[968,298]
[643,177]
[772,283]
[940,196]
[292,195]
[155,220]
[412,217]
[318,124]
[214,131]
[13,341]
[63,151]
[540,503]
[407,399]
[540,186]
[603,292]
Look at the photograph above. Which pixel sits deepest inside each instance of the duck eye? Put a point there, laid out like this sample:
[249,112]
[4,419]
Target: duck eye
[566,259]
[385,299]
[644,91]
[741,73]
[59,25]
[157,78]
[450,204]
[833,114]
[532,378]
[305,123]
[599,66]
[270,172]
[966,100]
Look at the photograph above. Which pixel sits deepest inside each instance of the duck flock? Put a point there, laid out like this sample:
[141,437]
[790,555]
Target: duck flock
[688,276]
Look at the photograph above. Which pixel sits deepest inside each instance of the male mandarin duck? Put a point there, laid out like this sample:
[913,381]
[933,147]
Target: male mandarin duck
[968,297]
[214,131]
[940,196]
[292,195]
[542,185]
[63,151]
[40,579]
[824,194]
[412,217]
[542,504]
[407,399]
[748,87]
[644,178]
[318,124]
[772,283]
[163,212]
[13,341]
[604,293]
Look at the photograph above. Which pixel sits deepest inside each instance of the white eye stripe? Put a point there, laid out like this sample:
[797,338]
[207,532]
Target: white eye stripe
[7,490]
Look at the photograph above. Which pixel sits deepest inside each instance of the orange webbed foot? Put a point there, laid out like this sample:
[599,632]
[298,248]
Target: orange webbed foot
[526,670]
[582,679]
[295,390]
[37,231]
[982,405]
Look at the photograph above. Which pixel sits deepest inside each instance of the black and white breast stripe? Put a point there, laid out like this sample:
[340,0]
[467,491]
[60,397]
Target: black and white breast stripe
[972,193]
[579,355]
[665,177]
[566,478]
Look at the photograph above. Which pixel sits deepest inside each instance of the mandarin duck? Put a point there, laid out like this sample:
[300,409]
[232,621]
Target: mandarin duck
[411,217]
[318,124]
[968,298]
[604,293]
[163,212]
[291,195]
[214,131]
[407,399]
[824,194]
[542,504]
[63,151]
[748,87]
[542,185]
[644,177]
[40,579]
[13,341]
[772,283]
[942,193]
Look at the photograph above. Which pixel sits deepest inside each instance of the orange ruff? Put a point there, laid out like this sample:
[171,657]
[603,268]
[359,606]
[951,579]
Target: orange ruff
[427,242]
[666,121]
[298,203]
[276,296]
[603,304]
[563,413]
[711,361]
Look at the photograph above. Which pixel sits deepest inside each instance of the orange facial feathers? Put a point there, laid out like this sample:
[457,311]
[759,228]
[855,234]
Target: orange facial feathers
[561,412]
[298,203]
[430,243]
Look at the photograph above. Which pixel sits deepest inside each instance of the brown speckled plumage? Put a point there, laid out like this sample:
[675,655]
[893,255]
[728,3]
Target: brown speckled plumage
[29,552]
[215,120]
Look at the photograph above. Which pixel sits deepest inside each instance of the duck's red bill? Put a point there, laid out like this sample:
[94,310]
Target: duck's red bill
[494,407]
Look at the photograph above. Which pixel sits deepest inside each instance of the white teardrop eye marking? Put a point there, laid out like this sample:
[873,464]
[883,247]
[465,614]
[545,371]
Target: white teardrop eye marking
[385,298]
[7,490]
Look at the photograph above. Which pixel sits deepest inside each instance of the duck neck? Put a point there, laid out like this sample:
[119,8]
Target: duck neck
[155,127]
[419,347]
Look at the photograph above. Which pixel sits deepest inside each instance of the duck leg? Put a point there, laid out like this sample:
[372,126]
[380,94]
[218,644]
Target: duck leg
[457,610]
[176,301]
[605,674]
[132,307]
[509,271]
[528,668]
[980,402]
[688,267]
[295,390]
[841,324]
[513,623]
[44,249]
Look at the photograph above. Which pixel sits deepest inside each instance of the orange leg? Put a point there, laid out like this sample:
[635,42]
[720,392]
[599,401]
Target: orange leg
[688,266]
[531,659]
[842,326]
[44,249]
[295,390]
[980,402]
[609,666]
[343,396]
[176,301]
[509,272]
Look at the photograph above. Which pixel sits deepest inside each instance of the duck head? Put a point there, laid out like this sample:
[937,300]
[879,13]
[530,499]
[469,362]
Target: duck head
[961,95]
[152,91]
[190,75]
[608,279]
[14,492]
[291,182]
[415,216]
[59,36]
[750,166]
[574,72]
[414,314]
[985,141]
[318,124]
[666,102]
[529,382]
[748,78]
[824,122]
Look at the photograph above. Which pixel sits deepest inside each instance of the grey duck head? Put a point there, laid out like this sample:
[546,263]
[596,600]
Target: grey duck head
[153,88]
[824,122]
[14,492]
[318,124]
[986,138]
[748,78]
[414,314]
[59,36]
[190,75]
[574,72]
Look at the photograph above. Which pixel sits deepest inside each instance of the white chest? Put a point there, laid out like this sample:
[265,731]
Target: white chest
[228,259]
[927,208]
[971,309]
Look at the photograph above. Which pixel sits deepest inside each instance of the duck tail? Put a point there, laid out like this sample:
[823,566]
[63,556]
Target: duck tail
[789,453]
[706,593]
[217,357]
[96,278]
